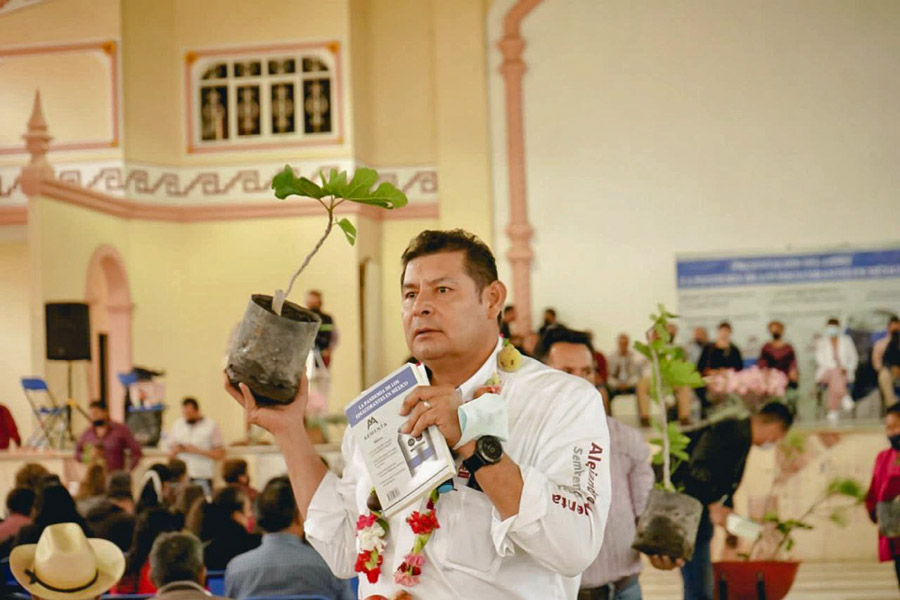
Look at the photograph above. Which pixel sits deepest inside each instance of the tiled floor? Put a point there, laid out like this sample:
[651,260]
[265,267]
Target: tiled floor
[815,581]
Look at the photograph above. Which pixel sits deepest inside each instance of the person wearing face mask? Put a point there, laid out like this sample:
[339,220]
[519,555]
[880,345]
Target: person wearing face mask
[197,440]
[836,361]
[107,441]
[718,453]
[779,355]
[886,361]
[885,485]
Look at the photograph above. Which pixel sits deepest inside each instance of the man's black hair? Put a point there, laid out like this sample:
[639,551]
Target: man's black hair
[192,402]
[481,265]
[777,412]
[893,409]
[20,501]
[276,509]
[726,325]
[561,335]
[98,404]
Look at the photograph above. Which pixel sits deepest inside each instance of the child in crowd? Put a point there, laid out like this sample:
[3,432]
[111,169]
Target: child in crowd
[885,487]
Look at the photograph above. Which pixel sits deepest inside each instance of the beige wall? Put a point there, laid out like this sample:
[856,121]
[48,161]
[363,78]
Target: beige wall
[696,127]
[15,351]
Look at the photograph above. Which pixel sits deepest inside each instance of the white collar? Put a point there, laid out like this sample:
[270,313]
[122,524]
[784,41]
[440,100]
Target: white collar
[481,376]
[182,585]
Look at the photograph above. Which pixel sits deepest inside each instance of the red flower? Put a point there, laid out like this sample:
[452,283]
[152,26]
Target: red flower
[374,574]
[365,521]
[361,561]
[423,524]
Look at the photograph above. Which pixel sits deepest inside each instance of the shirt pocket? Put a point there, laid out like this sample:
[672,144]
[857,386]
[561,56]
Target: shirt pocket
[464,540]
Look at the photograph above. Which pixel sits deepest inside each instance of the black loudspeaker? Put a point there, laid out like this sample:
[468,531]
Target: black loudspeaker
[68,331]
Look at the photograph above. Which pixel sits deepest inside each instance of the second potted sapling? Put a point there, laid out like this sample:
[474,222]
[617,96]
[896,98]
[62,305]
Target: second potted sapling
[275,337]
[668,526]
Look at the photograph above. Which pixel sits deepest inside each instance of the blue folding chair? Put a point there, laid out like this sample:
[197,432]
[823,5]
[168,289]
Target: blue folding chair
[8,576]
[215,582]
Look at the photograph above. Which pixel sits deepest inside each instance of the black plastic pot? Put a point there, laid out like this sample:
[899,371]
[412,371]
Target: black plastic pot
[269,352]
[668,526]
[888,515]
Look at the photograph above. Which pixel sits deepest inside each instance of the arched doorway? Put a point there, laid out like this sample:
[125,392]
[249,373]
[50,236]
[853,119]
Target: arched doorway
[109,297]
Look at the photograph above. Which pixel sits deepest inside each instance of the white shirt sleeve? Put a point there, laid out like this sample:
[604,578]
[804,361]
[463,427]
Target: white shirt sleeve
[330,524]
[566,493]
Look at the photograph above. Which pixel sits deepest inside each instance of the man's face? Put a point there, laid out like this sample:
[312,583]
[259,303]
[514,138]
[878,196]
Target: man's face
[776,330]
[574,359]
[190,413]
[892,424]
[768,433]
[314,302]
[894,327]
[443,313]
[700,335]
[549,317]
[98,414]
[623,344]
[509,316]
[724,334]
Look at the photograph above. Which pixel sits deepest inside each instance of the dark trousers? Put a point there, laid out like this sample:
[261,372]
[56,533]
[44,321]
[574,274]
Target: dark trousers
[897,567]
[697,573]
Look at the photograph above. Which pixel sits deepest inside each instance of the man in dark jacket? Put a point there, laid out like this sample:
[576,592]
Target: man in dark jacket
[712,475]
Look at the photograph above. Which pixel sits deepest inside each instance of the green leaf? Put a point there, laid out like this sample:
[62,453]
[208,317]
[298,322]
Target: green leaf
[839,518]
[847,487]
[287,184]
[643,349]
[680,373]
[385,195]
[349,230]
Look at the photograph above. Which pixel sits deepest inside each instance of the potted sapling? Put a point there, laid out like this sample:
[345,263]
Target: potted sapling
[668,526]
[269,352]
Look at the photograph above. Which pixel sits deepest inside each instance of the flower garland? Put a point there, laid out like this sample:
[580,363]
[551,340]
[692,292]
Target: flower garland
[372,528]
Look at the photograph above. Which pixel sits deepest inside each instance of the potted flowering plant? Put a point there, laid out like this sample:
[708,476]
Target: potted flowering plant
[269,352]
[668,526]
[754,386]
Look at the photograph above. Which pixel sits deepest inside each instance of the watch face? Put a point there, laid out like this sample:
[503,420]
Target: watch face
[490,449]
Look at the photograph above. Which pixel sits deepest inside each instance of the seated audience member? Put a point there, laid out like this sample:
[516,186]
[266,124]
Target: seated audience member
[8,430]
[683,395]
[92,488]
[550,321]
[836,361]
[721,354]
[52,505]
[223,528]
[508,323]
[176,568]
[150,524]
[19,503]
[779,355]
[113,517]
[718,455]
[886,361]
[154,488]
[29,476]
[119,490]
[234,473]
[695,347]
[614,573]
[108,441]
[285,564]
[625,371]
[189,495]
[885,486]
[66,565]
[178,479]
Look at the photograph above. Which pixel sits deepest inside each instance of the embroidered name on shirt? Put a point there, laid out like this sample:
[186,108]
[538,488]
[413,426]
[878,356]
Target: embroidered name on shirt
[575,505]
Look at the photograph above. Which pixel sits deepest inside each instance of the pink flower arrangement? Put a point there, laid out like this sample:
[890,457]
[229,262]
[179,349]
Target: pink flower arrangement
[750,384]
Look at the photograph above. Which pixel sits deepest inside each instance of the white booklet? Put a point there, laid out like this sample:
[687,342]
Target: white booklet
[403,468]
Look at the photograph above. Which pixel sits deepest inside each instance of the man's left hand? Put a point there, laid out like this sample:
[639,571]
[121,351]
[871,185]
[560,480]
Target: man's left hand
[718,513]
[433,405]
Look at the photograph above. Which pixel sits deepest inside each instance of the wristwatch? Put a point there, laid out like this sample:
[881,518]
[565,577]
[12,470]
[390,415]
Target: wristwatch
[488,451]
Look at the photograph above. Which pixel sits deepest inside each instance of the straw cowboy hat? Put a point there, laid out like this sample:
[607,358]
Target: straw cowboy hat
[65,565]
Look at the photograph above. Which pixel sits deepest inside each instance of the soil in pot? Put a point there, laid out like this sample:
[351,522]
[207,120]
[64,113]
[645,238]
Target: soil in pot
[269,351]
[888,516]
[668,526]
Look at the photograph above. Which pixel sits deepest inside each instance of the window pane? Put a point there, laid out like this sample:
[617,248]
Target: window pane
[214,112]
[283,108]
[317,106]
[250,68]
[216,71]
[312,64]
[248,119]
[281,66]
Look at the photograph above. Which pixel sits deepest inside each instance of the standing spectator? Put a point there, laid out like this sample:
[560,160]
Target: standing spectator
[721,354]
[614,573]
[601,372]
[718,455]
[92,488]
[327,337]
[285,564]
[885,485]
[697,344]
[19,503]
[625,369]
[29,476]
[223,528]
[107,440]
[8,430]
[779,355]
[836,361]
[508,323]
[886,361]
[65,565]
[234,473]
[197,441]
[150,525]
[550,321]
[176,568]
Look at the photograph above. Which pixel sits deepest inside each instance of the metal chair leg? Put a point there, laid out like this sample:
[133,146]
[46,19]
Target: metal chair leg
[723,588]
[760,587]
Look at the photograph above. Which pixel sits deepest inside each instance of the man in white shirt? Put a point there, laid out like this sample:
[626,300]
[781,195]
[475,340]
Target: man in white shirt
[197,441]
[523,524]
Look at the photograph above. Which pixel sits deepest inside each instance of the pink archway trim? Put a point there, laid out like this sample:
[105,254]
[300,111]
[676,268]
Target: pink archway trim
[519,230]
[107,290]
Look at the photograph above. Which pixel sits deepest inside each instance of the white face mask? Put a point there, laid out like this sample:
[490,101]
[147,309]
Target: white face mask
[832,331]
[767,446]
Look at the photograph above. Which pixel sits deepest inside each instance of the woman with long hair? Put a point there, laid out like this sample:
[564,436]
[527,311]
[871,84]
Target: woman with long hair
[153,488]
[223,528]
[92,488]
[150,524]
[54,504]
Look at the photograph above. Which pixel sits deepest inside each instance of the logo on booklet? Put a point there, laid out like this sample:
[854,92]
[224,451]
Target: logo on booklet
[371,422]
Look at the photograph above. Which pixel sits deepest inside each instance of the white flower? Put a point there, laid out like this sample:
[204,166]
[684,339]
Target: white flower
[372,538]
